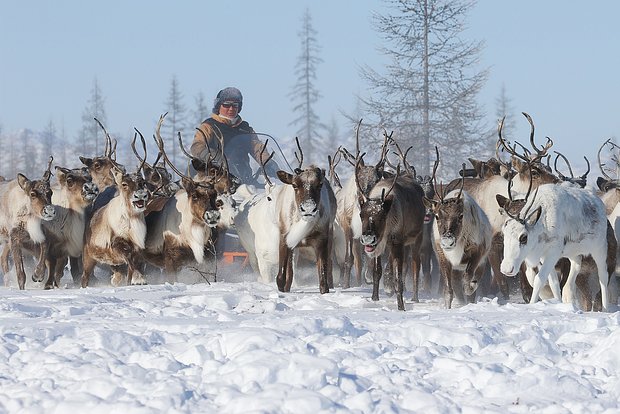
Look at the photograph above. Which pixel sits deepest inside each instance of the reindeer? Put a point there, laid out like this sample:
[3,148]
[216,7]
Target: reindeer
[65,233]
[358,185]
[558,221]
[100,167]
[392,217]
[463,240]
[306,210]
[117,230]
[179,233]
[24,204]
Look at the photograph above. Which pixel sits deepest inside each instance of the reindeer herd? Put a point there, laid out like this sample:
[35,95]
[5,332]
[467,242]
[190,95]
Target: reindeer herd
[498,219]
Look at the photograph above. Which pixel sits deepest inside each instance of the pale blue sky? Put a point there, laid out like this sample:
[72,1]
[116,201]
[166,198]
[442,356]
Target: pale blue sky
[559,61]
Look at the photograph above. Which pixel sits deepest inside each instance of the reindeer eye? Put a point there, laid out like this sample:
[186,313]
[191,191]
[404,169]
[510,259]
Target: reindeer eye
[219,204]
[33,194]
[523,239]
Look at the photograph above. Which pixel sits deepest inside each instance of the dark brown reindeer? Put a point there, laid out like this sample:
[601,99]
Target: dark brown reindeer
[117,231]
[359,184]
[463,239]
[392,216]
[306,209]
[178,234]
[24,204]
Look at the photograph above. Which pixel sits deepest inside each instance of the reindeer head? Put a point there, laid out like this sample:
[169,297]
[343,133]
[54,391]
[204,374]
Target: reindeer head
[203,202]
[132,188]
[78,185]
[449,218]
[519,229]
[307,184]
[40,194]
[373,214]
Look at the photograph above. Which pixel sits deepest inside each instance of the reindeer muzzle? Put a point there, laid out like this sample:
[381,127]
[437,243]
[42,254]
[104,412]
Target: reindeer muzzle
[370,242]
[448,241]
[211,217]
[48,213]
[90,191]
[139,200]
[308,210]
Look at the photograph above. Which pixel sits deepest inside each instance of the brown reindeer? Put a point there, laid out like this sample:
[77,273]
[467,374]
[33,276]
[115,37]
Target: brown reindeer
[392,217]
[358,185]
[100,167]
[306,209]
[179,233]
[24,204]
[116,232]
[65,233]
[463,240]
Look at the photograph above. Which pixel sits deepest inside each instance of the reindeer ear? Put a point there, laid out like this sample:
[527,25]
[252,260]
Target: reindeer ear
[118,175]
[23,182]
[188,185]
[501,201]
[533,217]
[285,177]
[429,203]
[86,161]
[61,174]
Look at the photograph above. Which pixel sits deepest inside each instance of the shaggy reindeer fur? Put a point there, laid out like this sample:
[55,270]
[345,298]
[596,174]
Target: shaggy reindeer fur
[117,231]
[559,221]
[23,205]
[306,209]
[392,218]
[463,239]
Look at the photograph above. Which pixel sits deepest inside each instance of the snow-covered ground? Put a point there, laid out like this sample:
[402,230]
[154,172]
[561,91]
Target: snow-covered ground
[243,347]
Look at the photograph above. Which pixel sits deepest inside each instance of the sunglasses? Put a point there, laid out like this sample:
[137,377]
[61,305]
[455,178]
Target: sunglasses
[229,104]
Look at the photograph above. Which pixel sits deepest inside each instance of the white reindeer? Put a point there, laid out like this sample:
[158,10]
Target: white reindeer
[558,221]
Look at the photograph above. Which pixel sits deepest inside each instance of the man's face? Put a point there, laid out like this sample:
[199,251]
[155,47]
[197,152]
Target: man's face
[229,109]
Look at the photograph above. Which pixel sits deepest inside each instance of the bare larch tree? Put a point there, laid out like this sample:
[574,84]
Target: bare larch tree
[91,138]
[304,94]
[176,119]
[428,92]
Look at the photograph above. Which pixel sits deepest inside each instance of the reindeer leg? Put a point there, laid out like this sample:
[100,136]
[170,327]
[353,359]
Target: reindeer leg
[495,258]
[416,258]
[39,270]
[51,273]
[16,236]
[283,252]
[568,294]
[59,271]
[321,266]
[76,268]
[396,254]
[289,271]
[117,275]
[603,277]
[88,264]
[348,259]
[526,287]
[328,259]
[358,261]
[376,277]
[541,278]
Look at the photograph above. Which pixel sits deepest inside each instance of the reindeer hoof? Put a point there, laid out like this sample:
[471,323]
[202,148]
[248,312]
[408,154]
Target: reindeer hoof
[138,279]
[116,280]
